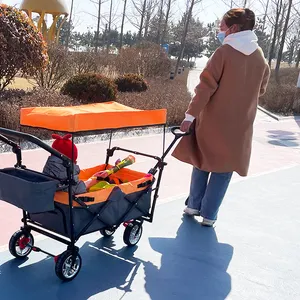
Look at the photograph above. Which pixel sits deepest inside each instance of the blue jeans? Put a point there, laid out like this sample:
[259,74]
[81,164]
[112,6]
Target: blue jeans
[207,194]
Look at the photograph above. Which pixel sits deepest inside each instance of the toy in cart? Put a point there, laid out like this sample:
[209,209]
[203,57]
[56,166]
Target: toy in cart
[50,206]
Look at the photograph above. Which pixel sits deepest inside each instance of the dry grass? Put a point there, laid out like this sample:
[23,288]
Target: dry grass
[162,93]
[22,84]
[281,98]
[11,101]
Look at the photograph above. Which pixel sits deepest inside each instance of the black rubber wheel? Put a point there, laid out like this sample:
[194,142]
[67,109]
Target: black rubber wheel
[20,244]
[186,201]
[107,232]
[132,234]
[64,268]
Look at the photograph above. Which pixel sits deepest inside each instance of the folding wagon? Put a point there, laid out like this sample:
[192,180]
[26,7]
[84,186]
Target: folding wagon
[63,216]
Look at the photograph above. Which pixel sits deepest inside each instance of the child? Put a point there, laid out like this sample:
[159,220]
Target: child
[54,166]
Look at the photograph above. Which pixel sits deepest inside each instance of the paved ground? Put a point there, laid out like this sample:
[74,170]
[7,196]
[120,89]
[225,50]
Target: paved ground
[253,253]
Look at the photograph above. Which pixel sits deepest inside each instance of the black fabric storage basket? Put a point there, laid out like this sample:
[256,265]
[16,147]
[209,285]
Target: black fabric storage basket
[115,207]
[28,190]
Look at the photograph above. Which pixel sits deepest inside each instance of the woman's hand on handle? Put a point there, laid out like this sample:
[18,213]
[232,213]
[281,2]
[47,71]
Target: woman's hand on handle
[185,126]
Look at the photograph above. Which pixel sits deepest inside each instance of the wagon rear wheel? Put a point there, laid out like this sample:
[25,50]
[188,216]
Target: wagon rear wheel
[186,201]
[107,232]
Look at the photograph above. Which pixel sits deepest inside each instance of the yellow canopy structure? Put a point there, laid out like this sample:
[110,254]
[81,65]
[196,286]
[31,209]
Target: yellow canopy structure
[56,8]
[99,116]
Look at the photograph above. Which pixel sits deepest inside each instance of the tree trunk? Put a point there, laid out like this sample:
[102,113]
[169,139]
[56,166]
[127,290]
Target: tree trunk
[280,29]
[158,37]
[147,23]
[70,24]
[292,51]
[296,102]
[287,20]
[183,38]
[109,26]
[275,31]
[269,43]
[298,59]
[142,21]
[122,26]
[265,16]
[163,38]
[98,26]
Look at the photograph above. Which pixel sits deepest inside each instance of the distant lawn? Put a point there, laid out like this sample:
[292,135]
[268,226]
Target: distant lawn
[21,83]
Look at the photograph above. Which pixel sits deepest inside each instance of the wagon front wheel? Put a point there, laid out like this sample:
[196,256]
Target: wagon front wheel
[20,244]
[107,232]
[132,234]
[68,265]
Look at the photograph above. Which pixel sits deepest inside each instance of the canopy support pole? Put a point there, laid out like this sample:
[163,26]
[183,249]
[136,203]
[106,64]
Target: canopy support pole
[109,147]
[164,139]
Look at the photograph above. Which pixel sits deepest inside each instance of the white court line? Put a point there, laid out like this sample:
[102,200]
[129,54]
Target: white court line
[236,180]
[291,166]
[4,248]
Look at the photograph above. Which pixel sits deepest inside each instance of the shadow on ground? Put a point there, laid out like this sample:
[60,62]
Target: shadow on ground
[103,269]
[193,266]
[283,138]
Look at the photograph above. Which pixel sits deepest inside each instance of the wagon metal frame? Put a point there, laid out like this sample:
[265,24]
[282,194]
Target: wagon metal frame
[68,264]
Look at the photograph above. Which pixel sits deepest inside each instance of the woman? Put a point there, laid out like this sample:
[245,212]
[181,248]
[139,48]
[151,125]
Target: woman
[222,113]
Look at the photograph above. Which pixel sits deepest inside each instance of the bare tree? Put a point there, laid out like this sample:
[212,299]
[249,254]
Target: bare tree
[297,50]
[282,43]
[168,11]
[70,25]
[291,43]
[189,14]
[122,25]
[292,39]
[141,16]
[142,13]
[151,5]
[161,15]
[278,10]
[265,15]
[109,26]
[298,59]
[280,28]
[98,25]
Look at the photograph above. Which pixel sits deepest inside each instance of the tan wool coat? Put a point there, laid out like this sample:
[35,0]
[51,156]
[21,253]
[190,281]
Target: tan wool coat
[225,107]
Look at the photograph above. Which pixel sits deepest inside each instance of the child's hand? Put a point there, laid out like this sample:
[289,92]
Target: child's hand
[101,174]
[117,161]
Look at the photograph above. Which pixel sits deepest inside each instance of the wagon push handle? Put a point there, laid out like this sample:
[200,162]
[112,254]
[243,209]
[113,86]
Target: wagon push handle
[15,149]
[178,135]
[30,138]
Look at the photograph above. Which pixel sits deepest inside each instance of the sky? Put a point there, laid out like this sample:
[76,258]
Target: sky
[85,11]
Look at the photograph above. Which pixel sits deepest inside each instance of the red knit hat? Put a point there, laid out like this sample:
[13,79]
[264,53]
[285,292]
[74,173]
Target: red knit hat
[65,146]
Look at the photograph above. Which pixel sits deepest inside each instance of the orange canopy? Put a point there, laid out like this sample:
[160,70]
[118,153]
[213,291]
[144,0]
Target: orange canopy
[110,115]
